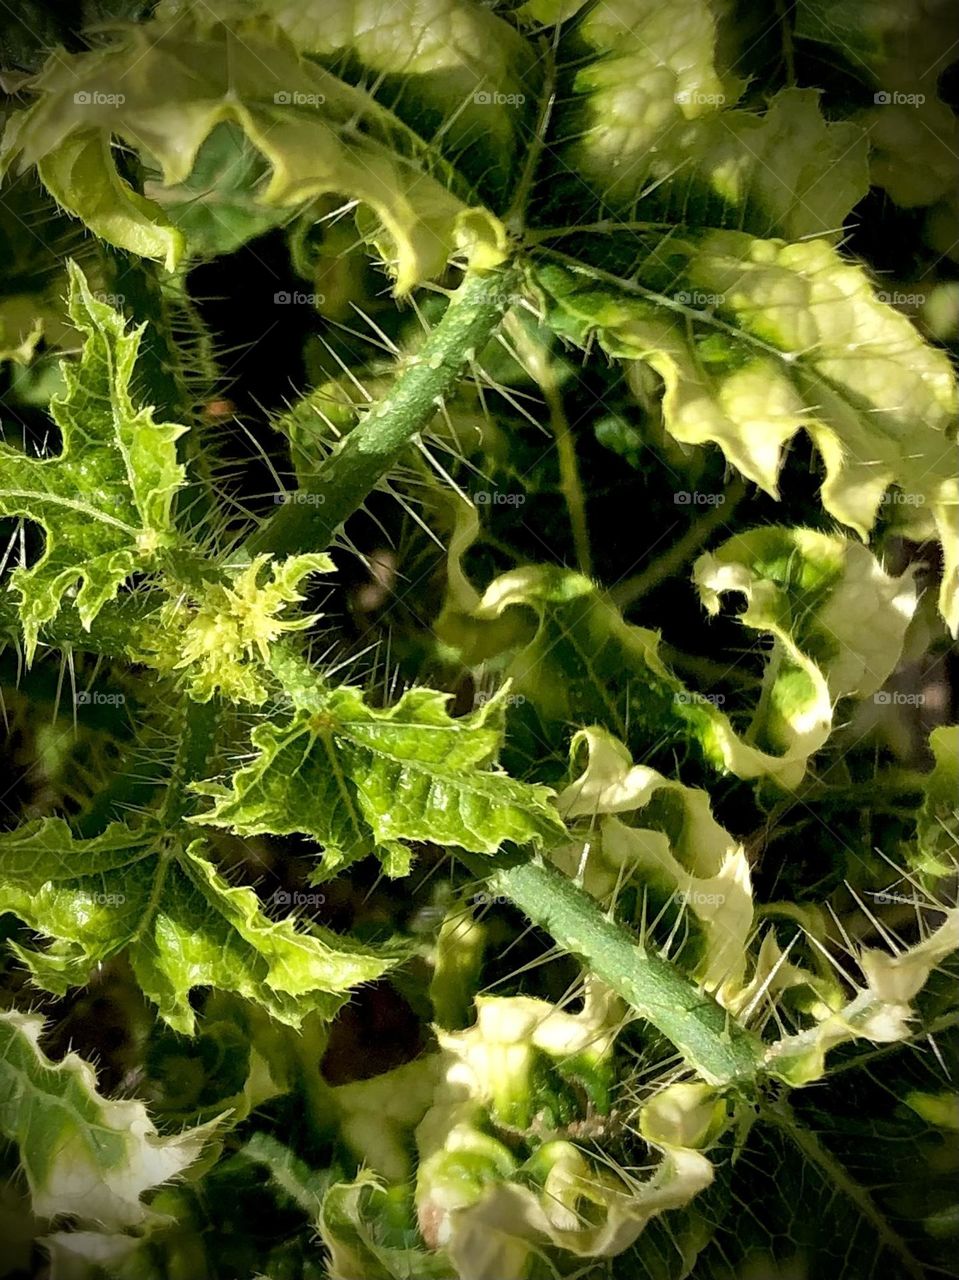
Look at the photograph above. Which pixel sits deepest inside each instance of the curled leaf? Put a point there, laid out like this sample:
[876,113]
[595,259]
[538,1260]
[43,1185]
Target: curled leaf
[83,1154]
[163,88]
[582,664]
[756,340]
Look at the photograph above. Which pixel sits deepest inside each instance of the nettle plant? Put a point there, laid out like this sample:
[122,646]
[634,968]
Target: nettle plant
[483,791]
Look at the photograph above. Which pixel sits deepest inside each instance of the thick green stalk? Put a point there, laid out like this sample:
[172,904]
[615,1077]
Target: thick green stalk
[200,723]
[352,471]
[707,1036]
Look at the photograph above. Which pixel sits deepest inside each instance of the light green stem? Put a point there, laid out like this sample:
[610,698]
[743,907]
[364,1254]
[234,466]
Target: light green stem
[200,723]
[538,359]
[707,1036]
[345,479]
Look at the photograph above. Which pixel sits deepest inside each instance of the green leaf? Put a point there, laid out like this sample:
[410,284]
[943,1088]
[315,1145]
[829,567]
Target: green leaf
[652,71]
[582,664]
[851,1179]
[838,619]
[181,926]
[360,780]
[287,1171]
[756,340]
[106,501]
[82,1154]
[21,328]
[492,1201]
[82,177]
[660,129]
[354,1227]
[219,206]
[453,70]
[163,88]
[578,663]
[938,824]
[901,53]
[377,1115]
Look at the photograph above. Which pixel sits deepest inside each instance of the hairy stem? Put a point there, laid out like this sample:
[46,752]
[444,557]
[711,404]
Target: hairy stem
[537,358]
[706,1035]
[200,722]
[109,635]
[344,480]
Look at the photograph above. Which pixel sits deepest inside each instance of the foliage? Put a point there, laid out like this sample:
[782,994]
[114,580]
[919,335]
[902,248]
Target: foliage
[481,513]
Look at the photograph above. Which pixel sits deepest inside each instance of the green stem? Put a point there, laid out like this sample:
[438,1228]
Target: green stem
[569,482]
[705,669]
[607,226]
[516,216]
[198,736]
[538,359]
[345,479]
[705,1034]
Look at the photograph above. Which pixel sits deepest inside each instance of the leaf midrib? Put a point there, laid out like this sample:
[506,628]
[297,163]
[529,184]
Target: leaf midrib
[54,499]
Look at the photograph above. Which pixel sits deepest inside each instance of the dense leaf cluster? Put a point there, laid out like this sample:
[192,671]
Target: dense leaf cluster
[482,565]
